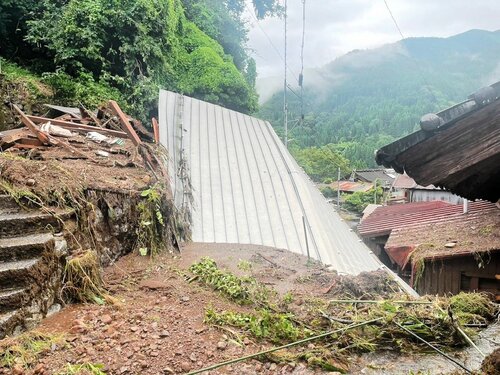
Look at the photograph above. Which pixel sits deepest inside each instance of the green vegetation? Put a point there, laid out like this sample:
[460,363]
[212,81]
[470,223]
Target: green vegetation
[125,50]
[26,349]
[358,201]
[321,163]
[243,290]
[151,223]
[86,368]
[366,99]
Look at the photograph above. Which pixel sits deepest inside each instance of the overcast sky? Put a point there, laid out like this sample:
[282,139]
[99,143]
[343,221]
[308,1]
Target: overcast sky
[335,27]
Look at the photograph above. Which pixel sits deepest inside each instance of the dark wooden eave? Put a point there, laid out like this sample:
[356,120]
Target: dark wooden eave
[462,157]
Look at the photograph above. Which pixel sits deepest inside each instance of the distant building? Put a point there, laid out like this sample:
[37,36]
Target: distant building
[404,189]
[382,177]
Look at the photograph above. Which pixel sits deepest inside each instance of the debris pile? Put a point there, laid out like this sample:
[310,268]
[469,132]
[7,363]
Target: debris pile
[336,329]
[90,161]
[106,137]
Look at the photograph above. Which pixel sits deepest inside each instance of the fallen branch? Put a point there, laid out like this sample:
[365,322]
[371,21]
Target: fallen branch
[125,123]
[303,341]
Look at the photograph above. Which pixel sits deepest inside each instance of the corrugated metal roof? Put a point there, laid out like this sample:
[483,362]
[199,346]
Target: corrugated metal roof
[353,187]
[246,187]
[384,219]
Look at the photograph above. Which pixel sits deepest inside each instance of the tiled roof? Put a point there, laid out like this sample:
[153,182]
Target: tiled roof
[475,232]
[387,218]
[403,181]
[370,175]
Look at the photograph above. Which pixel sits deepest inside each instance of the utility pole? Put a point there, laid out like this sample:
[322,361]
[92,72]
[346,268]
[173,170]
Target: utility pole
[338,189]
[285,85]
[375,192]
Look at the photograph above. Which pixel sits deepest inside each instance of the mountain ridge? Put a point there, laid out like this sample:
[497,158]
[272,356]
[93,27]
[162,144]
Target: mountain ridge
[367,98]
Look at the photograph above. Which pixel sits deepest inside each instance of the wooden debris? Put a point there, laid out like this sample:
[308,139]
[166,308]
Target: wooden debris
[31,126]
[78,127]
[125,123]
[156,130]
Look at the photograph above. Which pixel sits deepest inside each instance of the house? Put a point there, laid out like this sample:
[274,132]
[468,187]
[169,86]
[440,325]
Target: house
[436,246]
[405,189]
[457,149]
[461,253]
[382,177]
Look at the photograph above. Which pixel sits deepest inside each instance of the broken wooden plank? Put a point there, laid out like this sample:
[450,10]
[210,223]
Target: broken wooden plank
[78,127]
[156,130]
[125,123]
[86,113]
[31,126]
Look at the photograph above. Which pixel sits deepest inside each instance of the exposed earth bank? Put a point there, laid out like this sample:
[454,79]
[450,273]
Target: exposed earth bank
[156,325]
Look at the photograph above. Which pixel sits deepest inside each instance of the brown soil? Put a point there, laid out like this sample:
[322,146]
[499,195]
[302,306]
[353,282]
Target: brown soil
[157,325]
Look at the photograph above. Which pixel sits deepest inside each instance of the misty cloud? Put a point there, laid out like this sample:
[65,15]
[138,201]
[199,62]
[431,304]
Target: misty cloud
[335,27]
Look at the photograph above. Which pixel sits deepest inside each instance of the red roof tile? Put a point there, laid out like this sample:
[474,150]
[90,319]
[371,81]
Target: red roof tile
[384,219]
[475,232]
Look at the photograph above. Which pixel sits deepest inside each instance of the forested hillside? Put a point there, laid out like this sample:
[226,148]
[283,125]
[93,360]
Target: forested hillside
[89,50]
[366,99]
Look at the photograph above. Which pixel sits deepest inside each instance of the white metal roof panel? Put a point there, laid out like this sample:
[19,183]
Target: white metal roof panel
[247,188]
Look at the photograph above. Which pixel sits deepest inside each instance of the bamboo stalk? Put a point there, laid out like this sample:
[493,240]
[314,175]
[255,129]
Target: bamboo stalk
[468,339]
[380,301]
[236,360]
[433,347]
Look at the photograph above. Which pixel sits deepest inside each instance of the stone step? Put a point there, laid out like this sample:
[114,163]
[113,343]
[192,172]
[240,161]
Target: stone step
[25,247]
[13,298]
[8,204]
[19,273]
[8,322]
[33,221]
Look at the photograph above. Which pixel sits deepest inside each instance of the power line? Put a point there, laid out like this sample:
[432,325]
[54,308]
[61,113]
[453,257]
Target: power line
[418,67]
[394,20]
[301,76]
[271,42]
[285,85]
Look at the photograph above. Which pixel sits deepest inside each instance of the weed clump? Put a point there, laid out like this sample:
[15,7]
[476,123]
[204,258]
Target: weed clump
[82,279]
[472,308]
[23,351]
[243,290]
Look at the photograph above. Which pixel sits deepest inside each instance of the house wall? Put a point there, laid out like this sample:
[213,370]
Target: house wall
[417,195]
[453,275]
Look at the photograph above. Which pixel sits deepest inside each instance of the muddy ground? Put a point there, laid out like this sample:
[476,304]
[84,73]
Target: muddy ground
[157,324]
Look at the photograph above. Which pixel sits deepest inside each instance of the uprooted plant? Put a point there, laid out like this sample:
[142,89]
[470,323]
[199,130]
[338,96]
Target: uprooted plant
[440,321]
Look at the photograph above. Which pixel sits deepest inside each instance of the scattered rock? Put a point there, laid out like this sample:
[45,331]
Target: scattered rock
[185,366]
[221,345]
[153,284]
[106,319]
[185,299]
